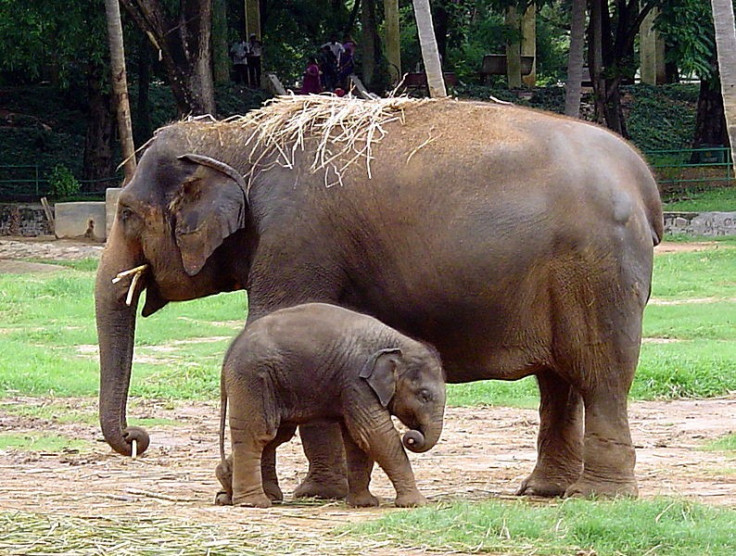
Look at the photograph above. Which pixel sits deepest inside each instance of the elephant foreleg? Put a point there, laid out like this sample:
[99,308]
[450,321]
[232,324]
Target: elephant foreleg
[380,440]
[327,476]
[560,440]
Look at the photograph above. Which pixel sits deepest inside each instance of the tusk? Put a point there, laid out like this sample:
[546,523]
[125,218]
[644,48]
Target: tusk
[125,273]
[136,273]
[131,290]
[134,444]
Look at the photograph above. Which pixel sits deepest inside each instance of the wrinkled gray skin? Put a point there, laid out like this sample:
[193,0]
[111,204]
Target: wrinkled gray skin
[516,242]
[322,362]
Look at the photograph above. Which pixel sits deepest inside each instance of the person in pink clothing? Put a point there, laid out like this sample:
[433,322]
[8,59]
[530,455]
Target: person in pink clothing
[311,83]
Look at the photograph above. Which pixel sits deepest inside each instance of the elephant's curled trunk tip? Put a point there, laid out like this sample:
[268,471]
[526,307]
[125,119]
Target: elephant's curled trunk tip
[414,441]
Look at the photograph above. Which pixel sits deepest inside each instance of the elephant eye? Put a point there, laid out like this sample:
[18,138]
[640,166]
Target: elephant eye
[425,396]
[125,214]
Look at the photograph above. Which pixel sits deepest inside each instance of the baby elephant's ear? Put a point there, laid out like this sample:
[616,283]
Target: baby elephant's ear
[380,372]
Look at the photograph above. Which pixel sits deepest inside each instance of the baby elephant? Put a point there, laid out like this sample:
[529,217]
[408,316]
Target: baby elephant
[323,362]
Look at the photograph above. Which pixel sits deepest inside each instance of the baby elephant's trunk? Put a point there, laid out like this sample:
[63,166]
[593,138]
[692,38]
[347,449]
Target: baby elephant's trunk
[414,441]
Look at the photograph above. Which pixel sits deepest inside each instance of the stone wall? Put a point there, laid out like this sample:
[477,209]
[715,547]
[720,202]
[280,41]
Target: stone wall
[709,224]
[18,219]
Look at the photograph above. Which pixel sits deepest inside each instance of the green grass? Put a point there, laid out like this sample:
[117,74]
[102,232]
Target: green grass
[724,444]
[660,526]
[48,326]
[722,199]
[42,443]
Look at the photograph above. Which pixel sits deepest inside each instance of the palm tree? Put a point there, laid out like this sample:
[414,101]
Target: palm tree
[575,59]
[430,54]
[726,45]
[120,86]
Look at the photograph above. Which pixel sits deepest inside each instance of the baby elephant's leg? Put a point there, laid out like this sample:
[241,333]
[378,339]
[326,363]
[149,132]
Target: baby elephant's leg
[224,473]
[360,466]
[383,446]
[268,463]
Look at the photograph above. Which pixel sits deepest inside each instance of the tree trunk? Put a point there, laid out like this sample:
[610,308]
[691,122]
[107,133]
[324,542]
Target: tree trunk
[98,155]
[368,41]
[513,49]
[143,124]
[430,54]
[120,86]
[393,40]
[723,19]
[710,121]
[575,60]
[221,64]
[183,45]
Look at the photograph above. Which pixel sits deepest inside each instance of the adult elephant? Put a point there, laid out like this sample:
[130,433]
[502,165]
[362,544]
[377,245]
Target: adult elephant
[516,242]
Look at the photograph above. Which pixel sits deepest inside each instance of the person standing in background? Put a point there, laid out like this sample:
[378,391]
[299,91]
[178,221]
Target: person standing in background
[239,57]
[255,50]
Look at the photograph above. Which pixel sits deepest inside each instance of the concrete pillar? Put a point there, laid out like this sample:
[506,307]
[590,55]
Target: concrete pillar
[651,48]
[111,206]
[529,42]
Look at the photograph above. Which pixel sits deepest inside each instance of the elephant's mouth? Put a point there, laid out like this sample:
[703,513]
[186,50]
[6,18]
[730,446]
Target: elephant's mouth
[135,281]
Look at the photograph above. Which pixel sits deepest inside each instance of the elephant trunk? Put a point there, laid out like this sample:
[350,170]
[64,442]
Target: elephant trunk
[424,438]
[116,332]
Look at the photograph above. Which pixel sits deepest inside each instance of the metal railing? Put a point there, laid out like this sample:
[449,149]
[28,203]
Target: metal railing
[692,168]
[28,182]
[674,168]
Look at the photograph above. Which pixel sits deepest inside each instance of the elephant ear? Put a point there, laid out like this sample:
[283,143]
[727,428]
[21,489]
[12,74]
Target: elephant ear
[380,373]
[209,206]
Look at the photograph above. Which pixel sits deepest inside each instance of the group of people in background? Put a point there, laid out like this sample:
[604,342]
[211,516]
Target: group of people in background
[246,58]
[330,70]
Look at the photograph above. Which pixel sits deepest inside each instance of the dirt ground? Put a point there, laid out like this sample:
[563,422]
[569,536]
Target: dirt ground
[484,453]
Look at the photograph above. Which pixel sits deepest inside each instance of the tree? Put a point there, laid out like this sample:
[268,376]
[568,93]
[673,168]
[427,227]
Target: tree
[687,26]
[120,86]
[182,40]
[611,37]
[725,33]
[68,39]
[573,87]
[430,54]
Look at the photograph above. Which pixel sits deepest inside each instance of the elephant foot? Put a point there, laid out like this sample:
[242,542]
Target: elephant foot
[362,500]
[273,491]
[410,500]
[534,485]
[335,489]
[588,488]
[253,501]
[223,498]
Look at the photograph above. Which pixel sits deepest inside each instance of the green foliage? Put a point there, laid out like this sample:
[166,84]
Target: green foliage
[721,199]
[659,526]
[687,27]
[62,182]
[657,118]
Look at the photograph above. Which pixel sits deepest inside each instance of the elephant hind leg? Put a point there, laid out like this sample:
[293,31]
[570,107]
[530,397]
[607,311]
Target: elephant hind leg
[560,439]
[360,467]
[609,456]
[269,476]
[249,439]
